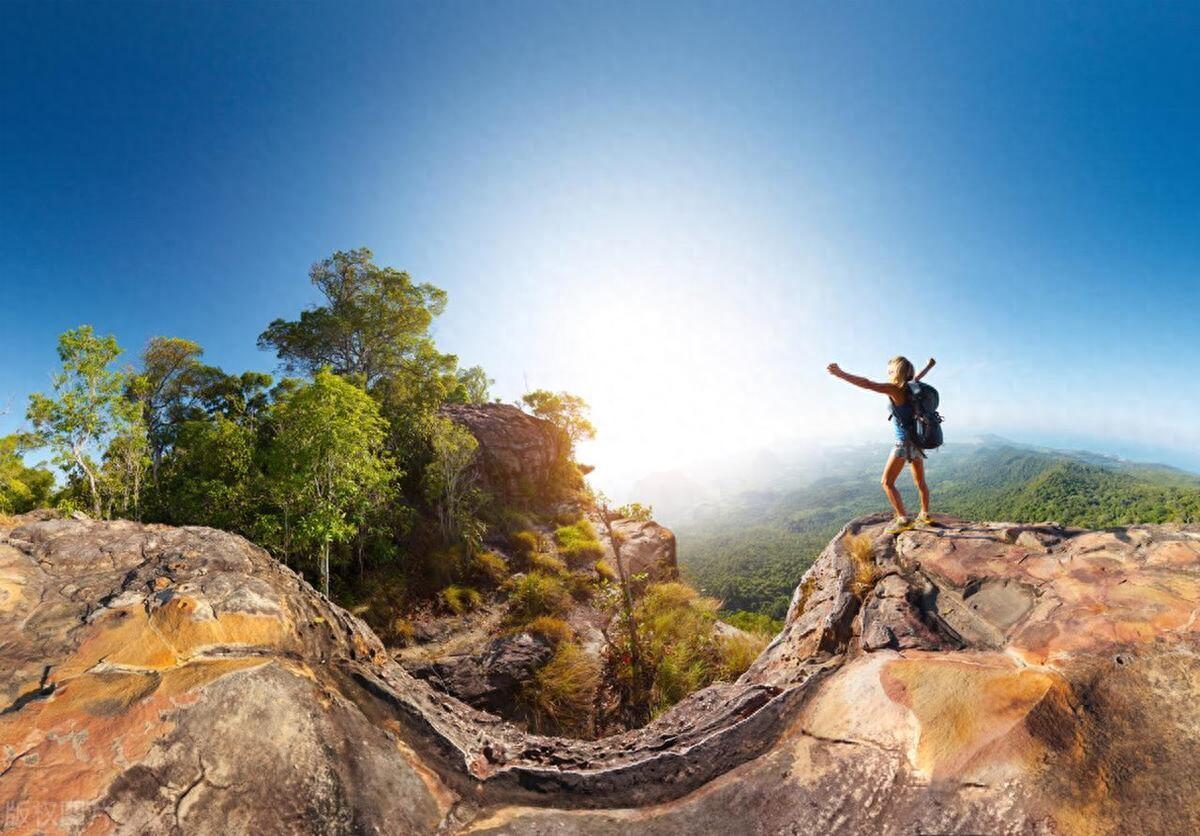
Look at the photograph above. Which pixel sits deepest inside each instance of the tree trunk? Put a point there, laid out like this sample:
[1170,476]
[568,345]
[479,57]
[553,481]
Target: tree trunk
[325,567]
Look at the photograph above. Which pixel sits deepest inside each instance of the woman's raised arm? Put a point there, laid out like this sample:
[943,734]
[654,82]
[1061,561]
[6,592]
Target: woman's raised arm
[861,382]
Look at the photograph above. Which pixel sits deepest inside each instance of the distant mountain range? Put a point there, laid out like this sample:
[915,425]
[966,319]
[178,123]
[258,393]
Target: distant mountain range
[747,531]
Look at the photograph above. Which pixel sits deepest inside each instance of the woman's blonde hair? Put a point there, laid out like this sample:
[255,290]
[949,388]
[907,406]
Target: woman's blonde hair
[900,370]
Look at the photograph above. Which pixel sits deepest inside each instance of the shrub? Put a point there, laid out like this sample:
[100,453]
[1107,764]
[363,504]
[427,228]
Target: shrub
[548,627]
[460,599]
[738,654]
[536,594]
[561,696]
[578,543]
[547,563]
[581,585]
[489,567]
[524,544]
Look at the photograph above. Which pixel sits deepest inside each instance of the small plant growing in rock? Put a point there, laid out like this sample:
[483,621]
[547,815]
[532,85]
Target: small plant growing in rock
[862,556]
[553,630]
[460,599]
[578,544]
[536,594]
[489,567]
[561,695]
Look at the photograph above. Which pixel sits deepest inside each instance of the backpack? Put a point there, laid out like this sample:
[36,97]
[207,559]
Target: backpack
[926,427]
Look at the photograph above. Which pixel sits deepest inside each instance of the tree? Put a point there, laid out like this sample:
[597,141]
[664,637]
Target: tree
[448,483]
[169,366]
[22,488]
[373,321]
[328,462]
[566,411]
[86,405]
[125,463]
[471,386]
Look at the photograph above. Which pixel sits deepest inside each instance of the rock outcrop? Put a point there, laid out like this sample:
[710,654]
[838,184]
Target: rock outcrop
[647,548]
[968,678]
[517,453]
[491,679]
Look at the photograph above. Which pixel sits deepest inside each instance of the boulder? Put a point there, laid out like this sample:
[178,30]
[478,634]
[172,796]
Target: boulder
[492,679]
[953,680]
[518,453]
[646,548]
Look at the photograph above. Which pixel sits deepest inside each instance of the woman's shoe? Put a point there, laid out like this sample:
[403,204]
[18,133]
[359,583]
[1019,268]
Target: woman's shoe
[899,524]
[925,519]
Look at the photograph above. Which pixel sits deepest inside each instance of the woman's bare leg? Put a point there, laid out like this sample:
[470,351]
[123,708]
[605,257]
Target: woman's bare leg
[890,471]
[918,474]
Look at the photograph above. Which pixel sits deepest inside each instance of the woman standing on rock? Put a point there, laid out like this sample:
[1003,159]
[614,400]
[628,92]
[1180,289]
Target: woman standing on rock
[900,373]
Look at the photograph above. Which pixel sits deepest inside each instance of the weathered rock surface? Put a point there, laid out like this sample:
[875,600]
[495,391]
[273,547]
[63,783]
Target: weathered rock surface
[492,679]
[646,548]
[963,679]
[517,452]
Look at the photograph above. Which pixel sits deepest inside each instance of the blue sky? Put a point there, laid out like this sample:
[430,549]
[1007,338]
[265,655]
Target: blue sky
[680,211]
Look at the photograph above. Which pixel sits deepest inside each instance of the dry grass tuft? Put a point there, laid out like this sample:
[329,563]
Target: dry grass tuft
[862,556]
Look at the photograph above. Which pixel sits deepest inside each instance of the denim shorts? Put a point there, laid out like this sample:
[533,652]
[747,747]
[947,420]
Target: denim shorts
[908,451]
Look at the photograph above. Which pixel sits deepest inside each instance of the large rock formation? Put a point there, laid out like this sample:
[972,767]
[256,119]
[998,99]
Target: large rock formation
[517,453]
[974,678]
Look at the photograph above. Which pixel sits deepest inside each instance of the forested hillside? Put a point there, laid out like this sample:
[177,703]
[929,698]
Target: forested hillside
[750,551]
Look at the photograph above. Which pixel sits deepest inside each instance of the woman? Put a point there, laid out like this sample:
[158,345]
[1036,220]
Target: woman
[900,373]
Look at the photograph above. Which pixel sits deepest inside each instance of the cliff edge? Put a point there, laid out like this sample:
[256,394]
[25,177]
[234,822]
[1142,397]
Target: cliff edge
[974,677]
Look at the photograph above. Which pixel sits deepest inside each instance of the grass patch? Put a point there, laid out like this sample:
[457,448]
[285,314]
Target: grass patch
[460,599]
[561,696]
[553,630]
[536,594]
[578,544]
[489,567]
[861,551]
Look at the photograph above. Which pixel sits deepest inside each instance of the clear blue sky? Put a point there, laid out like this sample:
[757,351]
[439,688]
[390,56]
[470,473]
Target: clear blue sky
[682,212]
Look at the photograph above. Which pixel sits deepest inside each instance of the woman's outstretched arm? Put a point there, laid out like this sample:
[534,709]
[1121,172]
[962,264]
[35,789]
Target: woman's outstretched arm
[861,382]
[925,370]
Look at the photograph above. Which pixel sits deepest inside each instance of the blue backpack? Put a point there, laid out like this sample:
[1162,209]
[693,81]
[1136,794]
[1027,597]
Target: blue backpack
[926,426]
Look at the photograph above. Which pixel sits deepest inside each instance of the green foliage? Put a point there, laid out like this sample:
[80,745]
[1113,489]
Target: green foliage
[85,409]
[553,630]
[524,545]
[328,464]
[536,594]
[578,544]
[547,563]
[471,386]
[753,622]
[460,599]
[210,478]
[490,567]
[679,646]
[561,695]
[374,320]
[21,488]
[449,485]
[566,411]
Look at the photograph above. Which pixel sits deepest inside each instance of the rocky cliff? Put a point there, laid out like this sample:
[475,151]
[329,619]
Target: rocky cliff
[517,454]
[968,678]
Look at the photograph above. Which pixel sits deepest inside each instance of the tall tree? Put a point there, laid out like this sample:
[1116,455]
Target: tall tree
[86,406]
[566,411]
[328,461]
[374,320]
[448,483]
[169,366]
